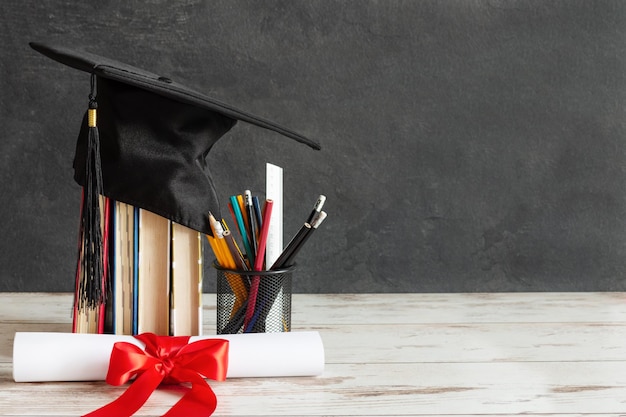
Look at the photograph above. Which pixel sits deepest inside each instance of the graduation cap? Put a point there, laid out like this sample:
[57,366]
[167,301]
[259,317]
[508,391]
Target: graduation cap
[148,144]
[155,135]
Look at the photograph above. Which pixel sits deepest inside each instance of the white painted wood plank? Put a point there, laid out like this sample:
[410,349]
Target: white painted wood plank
[311,309]
[542,342]
[36,307]
[394,389]
[320,309]
[414,389]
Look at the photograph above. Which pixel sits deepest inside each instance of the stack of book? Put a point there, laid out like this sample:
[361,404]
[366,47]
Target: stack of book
[152,276]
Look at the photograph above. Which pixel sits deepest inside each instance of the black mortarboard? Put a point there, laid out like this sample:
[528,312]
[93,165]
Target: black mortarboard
[155,135]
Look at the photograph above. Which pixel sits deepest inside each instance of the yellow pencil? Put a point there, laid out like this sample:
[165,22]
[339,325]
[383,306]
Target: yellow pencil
[234,280]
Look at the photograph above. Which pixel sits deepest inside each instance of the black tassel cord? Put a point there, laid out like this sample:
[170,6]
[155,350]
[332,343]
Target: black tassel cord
[92,282]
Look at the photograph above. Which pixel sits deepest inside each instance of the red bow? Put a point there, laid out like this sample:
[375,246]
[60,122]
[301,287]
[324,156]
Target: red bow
[168,360]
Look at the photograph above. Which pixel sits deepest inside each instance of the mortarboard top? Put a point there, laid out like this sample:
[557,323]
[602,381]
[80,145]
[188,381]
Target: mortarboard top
[155,135]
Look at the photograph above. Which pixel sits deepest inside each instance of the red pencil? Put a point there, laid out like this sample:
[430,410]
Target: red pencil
[258,262]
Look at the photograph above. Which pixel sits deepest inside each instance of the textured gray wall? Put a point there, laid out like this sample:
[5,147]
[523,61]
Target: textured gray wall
[467,145]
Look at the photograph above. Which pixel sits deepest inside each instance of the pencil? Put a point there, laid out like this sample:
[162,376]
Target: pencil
[234,280]
[258,264]
[242,227]
[227,260]
[240,262]
[269,204]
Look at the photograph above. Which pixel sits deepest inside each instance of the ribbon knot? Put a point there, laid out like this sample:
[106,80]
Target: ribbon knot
[165,367]
[166,360]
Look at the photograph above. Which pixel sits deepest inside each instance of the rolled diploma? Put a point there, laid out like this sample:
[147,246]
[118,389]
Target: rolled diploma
[42,356]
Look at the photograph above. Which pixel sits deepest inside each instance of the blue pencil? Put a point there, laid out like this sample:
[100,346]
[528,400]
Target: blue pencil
[242,227]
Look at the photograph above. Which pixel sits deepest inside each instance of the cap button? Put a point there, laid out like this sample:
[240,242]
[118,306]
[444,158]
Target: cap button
[165,80]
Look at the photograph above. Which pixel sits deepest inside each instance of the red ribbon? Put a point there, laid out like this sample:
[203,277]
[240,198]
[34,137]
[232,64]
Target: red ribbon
[168,360]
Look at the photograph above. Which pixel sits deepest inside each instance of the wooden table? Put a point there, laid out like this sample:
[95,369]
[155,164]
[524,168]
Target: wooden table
[547,354]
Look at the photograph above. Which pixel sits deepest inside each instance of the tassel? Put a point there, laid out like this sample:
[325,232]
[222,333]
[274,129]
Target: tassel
[91,270]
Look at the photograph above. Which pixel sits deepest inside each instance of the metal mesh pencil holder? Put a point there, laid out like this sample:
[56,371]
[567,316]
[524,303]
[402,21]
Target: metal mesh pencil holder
[253,301]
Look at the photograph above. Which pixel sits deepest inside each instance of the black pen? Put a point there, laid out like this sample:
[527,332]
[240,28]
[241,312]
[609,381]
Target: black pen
[317,220]
[251,222]
[287,257]
[257,212]
[316,208]
[291,246]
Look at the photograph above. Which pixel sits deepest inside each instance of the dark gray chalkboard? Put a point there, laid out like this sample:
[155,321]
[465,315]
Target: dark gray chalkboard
[467,145]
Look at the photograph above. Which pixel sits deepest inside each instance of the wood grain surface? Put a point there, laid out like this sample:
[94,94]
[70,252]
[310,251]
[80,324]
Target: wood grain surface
[543,354]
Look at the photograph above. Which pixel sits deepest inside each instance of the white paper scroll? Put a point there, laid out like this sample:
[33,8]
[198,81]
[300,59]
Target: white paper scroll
[40,357]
